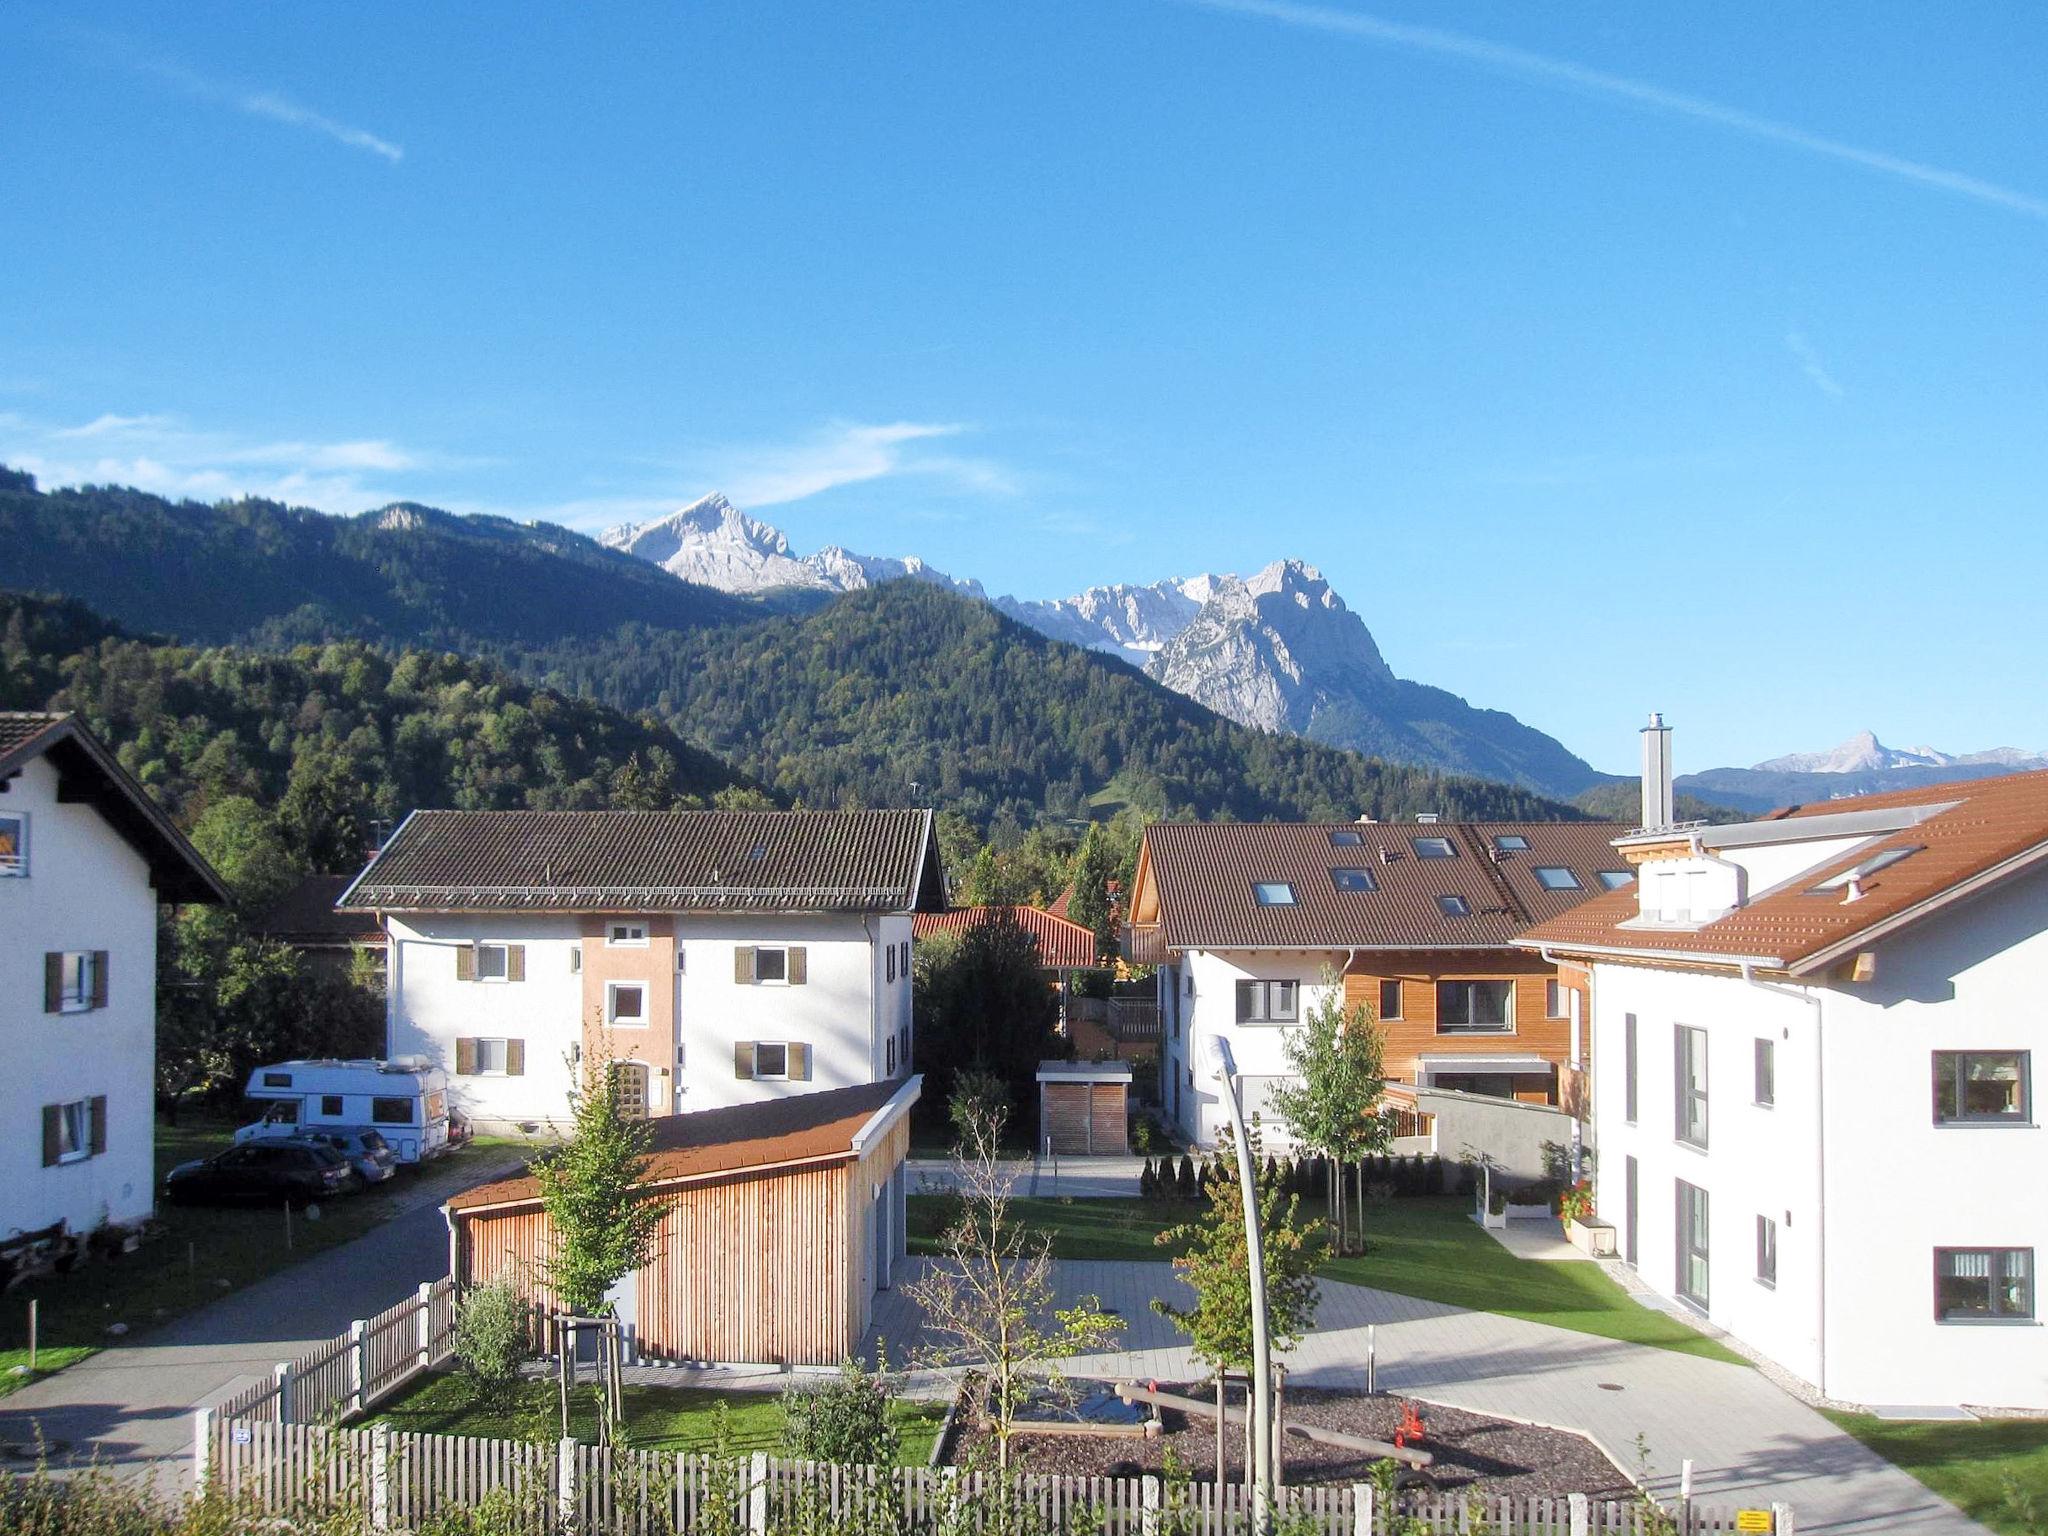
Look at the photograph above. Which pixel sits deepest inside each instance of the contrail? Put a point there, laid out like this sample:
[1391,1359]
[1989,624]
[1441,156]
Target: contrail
[1561,73]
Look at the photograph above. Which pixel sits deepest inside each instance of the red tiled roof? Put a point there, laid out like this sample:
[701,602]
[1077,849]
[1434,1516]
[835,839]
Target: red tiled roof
[1063,945]
[1205,873]
[1990,823]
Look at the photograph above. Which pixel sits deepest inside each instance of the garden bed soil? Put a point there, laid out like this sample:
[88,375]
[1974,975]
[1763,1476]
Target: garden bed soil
[1474,1453]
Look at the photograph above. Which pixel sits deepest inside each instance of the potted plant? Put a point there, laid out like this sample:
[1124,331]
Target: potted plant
[1581,1227]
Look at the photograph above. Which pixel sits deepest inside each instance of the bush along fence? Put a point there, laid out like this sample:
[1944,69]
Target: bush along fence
[390,1480]
[349,1374]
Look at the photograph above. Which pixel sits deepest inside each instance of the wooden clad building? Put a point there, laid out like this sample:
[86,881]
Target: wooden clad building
[1083,1108]
[780,1222]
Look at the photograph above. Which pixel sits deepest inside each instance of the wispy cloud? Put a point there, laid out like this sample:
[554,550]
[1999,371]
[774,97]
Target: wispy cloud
[165,454]
[1810,364]
[271,105]
[1564,75]
[846,453]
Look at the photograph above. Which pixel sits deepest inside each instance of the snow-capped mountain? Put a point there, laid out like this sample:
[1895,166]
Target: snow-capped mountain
[1136,623]
[1864,753]
[715,544]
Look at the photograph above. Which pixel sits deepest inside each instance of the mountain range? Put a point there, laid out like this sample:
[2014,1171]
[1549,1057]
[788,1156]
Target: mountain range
[1862,765]
[1278,651]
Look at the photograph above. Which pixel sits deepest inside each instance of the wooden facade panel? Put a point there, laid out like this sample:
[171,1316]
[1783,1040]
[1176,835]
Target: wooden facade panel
[1084,1119]
[1415,1034]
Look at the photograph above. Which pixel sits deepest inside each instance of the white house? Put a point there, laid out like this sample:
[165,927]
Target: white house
[1814,1106]
[86,858]
[720,957]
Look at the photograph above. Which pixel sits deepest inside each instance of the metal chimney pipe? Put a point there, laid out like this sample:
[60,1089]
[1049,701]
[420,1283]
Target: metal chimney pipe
[1657,792]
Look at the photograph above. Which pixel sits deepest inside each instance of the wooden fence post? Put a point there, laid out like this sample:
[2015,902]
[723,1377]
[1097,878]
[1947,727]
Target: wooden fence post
[1148,1503]
[283,1376]
[202,1447]
[1361,1509]
[757,1494]
[426,1324]
[380,1477]
[358,1364]
[1782,1519]
[565,1482]
[1582,1515]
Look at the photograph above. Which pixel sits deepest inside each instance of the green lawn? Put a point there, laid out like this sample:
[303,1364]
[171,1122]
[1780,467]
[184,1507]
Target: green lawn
[657,1418]
[1968,1464]
[1427,1248]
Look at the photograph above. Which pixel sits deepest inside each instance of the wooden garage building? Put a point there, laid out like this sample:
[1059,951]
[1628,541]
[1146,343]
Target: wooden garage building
[1083,1107]
[781,1221]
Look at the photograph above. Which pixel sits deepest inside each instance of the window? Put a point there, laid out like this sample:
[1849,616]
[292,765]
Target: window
[277,1079]
[13,843]
[1353,880]
[1689,1058]
[771,1058]
[1454,906]
[1511,842]
[1433,848]
[1863,870]
[1766,1072]
[1475,1007]
[1555,877]
[625,1003]
[1766,1251]
[1344,838]
[74,980]
[1981,1088]
[1692,1244]
[629,1084]
[1553,998]
[330,1105]
[1615,879]
[399,1111]
[1628,1068]
[1390,998]
[493,962]
[903,969]
[771,965]
[492,1058]
[74,1132]
[628,935]
[892,962]
[1983,1285]
[1268,1002]
[890,1062]
[576,961]
[1273,893]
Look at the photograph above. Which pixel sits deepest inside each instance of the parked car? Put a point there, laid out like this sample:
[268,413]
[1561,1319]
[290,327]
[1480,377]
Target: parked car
[367,1151]
[296,1171]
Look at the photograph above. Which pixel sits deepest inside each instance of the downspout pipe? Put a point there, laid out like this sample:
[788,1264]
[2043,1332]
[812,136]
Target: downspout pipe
[1698,850]
[1820,1142]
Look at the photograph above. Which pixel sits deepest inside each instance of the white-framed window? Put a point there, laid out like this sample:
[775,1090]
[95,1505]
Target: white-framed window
[1694,1229]
[1511,842]
[1273,893]
[494,962]
[492,1059]
[1344,837]
[1982,1088]
[1475,1007]
[1629,1062]
[1766,1251]
[13,844]
[1555,877]
[1351,879]
[890,1054]
[576,961]
[771,1059]
[74,1131]
[1433,847]
[625,935]
[1983,1285]
[771,964]
[1615,879]
[1689,1058]
[1268,1002]
[1454,906]
[74,980]
[1766,1072]
[891,963]
[625,1004]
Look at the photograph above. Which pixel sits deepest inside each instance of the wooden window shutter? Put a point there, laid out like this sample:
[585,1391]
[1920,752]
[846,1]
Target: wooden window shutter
[53,1134]
[99,978]
[515,1058]
[799,1063]
[515,962]
[743,963]
[743,1058]
[465,1051]
[53,982]
[465,963]
[97,1142]
[797,971]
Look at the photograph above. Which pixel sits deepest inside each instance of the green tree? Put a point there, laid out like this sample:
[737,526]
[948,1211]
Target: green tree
[603,1229]
[243,842]
[1102,880]
[1330,1102]
[983,1005]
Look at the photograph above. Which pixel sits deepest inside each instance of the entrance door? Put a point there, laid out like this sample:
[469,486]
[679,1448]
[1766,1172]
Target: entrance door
[630,1080]
[1631,1196]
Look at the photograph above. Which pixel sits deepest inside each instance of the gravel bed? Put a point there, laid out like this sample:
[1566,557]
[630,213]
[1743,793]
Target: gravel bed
[1473,1453]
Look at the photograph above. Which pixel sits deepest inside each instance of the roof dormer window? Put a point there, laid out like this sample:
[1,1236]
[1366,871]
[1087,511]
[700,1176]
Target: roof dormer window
[1454,906]
[1433,848]
[1555,877]
[1273,893]
[1353,880]
[1615,879]
[1858,873]
[1511,842]
[1344,838]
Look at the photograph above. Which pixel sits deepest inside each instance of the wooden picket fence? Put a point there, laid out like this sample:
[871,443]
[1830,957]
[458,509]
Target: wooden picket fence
[397,1481]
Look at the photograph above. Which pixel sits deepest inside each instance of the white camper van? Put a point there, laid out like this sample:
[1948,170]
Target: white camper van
[404,1100]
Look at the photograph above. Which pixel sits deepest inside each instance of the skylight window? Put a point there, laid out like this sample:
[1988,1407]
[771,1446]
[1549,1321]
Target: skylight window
[1454,906]
[1616,879]
[1433,848]
[1864,870]
[1511,842]
[1273,893]
[1353,880]
[1346,839]
[1555,877]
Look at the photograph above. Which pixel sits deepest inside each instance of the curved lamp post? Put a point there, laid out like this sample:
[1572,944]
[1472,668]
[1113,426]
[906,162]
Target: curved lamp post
[1216,1056]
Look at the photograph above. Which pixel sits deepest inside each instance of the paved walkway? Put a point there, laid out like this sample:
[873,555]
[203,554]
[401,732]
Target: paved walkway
[131,1407]
[1532,1238]
[1074,1178]
[1750,1442]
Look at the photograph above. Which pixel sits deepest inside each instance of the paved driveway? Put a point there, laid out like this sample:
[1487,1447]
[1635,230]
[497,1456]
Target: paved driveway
[1750,1442]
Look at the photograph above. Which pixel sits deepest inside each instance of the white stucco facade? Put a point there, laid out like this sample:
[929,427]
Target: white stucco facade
[86,890]
[1848,1159]
[1198,996]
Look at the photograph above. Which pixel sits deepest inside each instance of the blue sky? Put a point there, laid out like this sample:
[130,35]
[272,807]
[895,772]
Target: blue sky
[1603,360]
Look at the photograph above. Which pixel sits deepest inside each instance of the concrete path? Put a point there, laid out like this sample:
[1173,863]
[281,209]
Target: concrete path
[1541,1240]
[131,1407]
[1074,1178]
[1750,1442]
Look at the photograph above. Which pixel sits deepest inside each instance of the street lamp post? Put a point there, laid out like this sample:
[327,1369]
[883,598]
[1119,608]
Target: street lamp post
[1216,1052]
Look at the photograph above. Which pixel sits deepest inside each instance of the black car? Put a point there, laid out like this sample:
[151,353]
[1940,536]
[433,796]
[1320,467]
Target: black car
[269,1171]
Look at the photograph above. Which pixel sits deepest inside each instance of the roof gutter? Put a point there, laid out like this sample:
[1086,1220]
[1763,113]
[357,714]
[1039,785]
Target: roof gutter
[1629,952]
[885,1117]
[341,902]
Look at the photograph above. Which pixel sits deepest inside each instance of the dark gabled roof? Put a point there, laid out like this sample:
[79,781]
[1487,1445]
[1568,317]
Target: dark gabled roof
[1063,944]
[656,861]
[306,915]
[1978,830]
[89,774]
[1203,875]
[804,1127]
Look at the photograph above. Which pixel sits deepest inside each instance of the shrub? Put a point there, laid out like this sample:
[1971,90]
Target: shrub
[1189,1186]
[1142,1135]
[1148,1181]
[844,1419]
[493,1335]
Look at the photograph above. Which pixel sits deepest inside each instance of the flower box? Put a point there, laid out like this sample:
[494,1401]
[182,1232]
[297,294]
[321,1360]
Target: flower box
[1593,1237]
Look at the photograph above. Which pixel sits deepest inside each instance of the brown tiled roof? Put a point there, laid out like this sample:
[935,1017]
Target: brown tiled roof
[1204,873]
[1063,944]
[1991,823]
[801,1128]
[306,914]
[95,775]
[681,861]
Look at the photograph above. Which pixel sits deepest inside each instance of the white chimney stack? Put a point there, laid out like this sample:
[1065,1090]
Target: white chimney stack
[1657,792]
